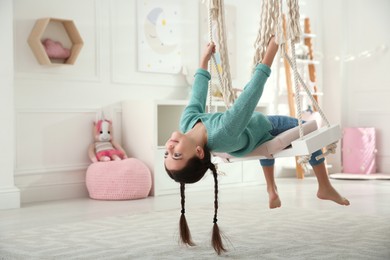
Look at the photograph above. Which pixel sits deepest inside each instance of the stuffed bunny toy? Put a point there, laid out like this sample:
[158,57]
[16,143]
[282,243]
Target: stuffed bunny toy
[104,148]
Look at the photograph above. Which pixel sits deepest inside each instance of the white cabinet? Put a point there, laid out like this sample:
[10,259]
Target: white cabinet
[146,127]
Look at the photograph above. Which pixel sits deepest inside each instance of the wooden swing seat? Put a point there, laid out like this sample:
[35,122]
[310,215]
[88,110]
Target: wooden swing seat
[288,143]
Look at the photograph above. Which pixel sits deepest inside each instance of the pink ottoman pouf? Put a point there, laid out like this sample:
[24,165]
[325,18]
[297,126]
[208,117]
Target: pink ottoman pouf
[118,180]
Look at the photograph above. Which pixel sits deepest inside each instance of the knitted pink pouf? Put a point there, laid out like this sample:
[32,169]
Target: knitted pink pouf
[118,180]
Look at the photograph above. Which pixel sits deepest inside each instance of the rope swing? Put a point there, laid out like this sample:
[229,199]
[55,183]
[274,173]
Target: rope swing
[271,24]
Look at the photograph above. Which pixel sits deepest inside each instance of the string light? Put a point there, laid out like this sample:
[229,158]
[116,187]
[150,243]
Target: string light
[363,55]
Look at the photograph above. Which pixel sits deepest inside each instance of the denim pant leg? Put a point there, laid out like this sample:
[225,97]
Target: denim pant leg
[281,124]
[313,161]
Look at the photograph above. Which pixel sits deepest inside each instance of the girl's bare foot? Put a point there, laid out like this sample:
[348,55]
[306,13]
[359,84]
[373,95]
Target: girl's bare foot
[330,193]
[274,200]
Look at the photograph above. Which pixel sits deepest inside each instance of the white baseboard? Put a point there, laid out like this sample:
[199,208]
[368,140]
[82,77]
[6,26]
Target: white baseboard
[51,192]
[57,183]
[9,198]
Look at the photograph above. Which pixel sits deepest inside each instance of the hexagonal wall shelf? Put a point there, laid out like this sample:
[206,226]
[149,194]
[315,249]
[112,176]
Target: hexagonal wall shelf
[35,40]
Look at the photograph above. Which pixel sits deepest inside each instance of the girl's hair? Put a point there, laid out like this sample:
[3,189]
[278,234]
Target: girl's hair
[194,170]
[191,173]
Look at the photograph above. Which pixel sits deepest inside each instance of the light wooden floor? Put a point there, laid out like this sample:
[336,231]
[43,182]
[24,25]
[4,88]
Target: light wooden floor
[368,197]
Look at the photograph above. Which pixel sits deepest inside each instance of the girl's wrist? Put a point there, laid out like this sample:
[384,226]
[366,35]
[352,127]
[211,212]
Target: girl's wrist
[204,64]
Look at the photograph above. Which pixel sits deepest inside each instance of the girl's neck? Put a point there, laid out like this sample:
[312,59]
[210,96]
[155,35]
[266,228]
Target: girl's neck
[199,134]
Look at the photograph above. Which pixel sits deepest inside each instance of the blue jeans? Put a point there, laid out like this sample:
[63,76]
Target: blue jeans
[281,124]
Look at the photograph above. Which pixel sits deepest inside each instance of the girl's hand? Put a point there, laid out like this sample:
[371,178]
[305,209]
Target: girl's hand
[209,50]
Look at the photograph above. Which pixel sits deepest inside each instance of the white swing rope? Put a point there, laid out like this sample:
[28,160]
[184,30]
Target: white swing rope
[293,7]
[331,148]
[216,13]
[267,28]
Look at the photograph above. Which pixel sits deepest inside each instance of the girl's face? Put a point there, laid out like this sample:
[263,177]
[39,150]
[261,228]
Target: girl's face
[179,149]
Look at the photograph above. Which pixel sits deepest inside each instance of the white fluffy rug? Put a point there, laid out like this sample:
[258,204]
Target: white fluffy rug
[254,233]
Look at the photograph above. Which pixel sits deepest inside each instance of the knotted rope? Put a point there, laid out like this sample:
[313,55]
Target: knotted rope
[216,14]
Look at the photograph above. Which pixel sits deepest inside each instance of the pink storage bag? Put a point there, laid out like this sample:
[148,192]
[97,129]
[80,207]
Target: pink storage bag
[359,150]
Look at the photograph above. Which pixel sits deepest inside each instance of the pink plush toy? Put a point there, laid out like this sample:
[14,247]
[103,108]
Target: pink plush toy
[104,149]
[55,50]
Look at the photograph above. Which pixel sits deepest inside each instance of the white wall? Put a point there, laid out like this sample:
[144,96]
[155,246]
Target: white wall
[54,106]
[357,84]
[9,194]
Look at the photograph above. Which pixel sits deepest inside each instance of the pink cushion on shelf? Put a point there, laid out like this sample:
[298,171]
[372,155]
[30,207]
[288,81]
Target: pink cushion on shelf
[118,180]
[55,50]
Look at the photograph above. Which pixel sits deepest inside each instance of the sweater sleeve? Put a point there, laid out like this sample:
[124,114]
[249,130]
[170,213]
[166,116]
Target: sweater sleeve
[197,102]
[236,118]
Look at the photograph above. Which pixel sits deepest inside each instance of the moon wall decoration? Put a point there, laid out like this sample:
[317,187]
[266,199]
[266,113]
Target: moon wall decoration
[159,36]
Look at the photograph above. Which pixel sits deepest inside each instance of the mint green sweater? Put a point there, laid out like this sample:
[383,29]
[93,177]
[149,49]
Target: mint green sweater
[238,130]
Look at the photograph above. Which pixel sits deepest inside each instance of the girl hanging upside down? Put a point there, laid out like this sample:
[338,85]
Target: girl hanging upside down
[237,131]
